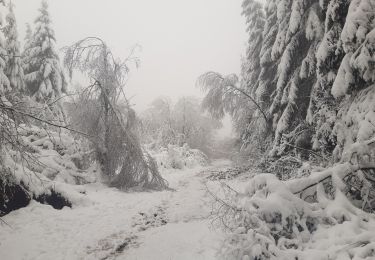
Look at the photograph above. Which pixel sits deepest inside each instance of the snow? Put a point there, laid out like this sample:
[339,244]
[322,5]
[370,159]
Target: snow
[344,78]
[176,157]
[362,59]
[359,21]
[314,28]
[308,66]
[283,13]
[42,65]
[193,240]
[296,17]
[274,221]
[178,223]
[170,224]
[14,70]
[356,121]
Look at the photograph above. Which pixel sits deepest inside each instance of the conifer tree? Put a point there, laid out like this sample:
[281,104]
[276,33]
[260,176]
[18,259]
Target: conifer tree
[14,70]
[310,60]
[356,71]
[27,43]
[246,115]
[26,54]
[254,15]
[329,55]
[43,73]
[4,81]
[298,36]
[268,66]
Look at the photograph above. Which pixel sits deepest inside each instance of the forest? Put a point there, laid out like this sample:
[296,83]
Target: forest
[84,175]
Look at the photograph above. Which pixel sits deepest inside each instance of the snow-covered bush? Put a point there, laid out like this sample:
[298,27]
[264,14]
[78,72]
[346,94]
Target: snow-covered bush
[176,157]
[268,221]
[38,159]
[57,155]
[23,177]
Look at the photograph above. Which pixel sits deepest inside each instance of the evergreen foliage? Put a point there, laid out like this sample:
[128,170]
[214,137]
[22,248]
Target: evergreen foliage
[14,69]
[43,73]
[4,81]
[306,60]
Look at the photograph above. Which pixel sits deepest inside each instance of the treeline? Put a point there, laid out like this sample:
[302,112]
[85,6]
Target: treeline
[304,107]
[34,73]
[50,135]
[308,73]
[166,123]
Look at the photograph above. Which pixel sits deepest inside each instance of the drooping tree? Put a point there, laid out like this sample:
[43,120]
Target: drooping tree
[240,97]
[225,95]
[311,53]
[109,122]
[248,117]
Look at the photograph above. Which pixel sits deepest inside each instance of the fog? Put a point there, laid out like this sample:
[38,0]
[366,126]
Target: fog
[179,39]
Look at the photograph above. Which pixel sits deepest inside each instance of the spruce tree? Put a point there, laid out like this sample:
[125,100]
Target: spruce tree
[353,87]
[43,73]
[27,44]
[329,55]
[310,63]
[268,66]
[294,50]
[356,70]
[14,70]
[26,54]
[254,15]
[246,114]
[4,81]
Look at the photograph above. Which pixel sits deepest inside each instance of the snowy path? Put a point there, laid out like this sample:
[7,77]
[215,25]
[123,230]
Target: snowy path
[115,225]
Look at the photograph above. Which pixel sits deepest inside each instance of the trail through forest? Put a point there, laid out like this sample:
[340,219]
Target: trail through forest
[171,224]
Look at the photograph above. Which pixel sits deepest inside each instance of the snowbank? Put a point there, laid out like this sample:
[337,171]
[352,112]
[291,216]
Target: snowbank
[48,166]
[268,221]
[175,157]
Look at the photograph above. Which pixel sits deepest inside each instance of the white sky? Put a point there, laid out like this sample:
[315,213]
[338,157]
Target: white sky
[180,39]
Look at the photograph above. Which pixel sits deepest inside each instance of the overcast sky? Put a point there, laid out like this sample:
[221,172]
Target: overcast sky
[180,39]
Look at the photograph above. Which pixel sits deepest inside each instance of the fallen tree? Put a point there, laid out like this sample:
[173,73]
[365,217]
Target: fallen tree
[108,118]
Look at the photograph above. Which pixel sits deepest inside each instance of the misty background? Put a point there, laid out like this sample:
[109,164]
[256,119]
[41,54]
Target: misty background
[178,39]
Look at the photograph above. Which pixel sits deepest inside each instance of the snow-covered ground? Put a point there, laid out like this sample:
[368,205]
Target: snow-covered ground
[116,225]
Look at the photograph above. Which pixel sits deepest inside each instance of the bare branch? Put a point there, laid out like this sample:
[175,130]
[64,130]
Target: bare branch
[41,120]
[214,81]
